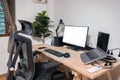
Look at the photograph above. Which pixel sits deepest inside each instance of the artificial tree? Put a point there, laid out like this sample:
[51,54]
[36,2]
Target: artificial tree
[41,25]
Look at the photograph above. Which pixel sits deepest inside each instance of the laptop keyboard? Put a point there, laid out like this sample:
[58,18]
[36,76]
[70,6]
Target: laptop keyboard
[53,52]
[91,55]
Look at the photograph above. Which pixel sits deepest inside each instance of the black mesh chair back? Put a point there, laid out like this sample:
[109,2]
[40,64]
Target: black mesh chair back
[24,51]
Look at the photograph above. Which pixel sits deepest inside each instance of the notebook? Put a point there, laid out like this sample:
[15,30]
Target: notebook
[93,55]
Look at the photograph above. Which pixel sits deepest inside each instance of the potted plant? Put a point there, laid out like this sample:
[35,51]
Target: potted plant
[41,25]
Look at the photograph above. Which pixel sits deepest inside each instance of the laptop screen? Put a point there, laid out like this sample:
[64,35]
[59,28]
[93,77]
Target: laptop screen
[103,39]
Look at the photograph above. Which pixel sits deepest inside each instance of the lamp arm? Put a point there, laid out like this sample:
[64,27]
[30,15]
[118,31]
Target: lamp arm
[57,31]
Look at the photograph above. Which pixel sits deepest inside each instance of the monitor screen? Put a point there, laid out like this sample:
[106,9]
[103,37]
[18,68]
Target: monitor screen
[75,35]
[102,41]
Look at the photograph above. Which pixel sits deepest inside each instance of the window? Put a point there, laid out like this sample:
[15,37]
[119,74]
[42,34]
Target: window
[3,23]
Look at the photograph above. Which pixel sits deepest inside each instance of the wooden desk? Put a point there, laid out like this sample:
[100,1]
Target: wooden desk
[75,63]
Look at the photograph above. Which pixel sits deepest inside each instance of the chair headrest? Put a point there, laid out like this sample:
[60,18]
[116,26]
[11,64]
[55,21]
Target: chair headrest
[27,27]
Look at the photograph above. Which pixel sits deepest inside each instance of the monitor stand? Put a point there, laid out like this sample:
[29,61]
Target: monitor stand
[77,48]
[88,48]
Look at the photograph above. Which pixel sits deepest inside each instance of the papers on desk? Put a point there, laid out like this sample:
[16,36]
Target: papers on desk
[94,69]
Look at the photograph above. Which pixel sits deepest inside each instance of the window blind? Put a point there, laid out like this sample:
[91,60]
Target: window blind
[2,20]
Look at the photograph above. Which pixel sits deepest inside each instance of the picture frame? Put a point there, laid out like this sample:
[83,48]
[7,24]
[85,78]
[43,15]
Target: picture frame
[40,1]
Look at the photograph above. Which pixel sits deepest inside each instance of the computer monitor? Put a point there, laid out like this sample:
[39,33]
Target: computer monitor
[75,36]
[102,41]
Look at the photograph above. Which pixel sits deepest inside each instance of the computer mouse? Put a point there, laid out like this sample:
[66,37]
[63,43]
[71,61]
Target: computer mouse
[67,55]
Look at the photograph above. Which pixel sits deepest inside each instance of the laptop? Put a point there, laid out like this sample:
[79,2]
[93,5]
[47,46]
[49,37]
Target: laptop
[93,55]
[102,41]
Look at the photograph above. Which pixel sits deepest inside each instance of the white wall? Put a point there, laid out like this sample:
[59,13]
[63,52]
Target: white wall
[99,15]
[25,10]
[3,54]
[29,10]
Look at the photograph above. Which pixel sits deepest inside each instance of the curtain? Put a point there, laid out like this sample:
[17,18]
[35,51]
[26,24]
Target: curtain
[9,10]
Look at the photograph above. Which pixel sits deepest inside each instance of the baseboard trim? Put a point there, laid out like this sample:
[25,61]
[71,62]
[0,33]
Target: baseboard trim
[3,76]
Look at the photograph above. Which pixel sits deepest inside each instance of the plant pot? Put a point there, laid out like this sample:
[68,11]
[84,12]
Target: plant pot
[40,39]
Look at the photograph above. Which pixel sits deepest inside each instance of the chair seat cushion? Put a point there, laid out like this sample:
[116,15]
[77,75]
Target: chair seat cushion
[58,75]
[40,73]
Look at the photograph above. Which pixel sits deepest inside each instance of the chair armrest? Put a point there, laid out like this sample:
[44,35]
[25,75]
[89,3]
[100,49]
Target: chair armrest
[51,65]
[36,52]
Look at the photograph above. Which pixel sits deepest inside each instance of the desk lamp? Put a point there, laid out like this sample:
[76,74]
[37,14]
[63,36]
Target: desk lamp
[59,33]
[60,28]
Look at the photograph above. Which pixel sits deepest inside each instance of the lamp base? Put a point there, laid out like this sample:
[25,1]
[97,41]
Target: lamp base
[58,41]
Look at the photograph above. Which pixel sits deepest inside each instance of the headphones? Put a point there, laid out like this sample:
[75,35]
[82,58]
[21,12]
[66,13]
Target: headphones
[109,59]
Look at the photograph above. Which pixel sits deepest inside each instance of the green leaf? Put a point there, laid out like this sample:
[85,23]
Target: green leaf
[41,24]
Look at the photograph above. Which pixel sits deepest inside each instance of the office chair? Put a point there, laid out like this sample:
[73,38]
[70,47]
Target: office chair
[27,69]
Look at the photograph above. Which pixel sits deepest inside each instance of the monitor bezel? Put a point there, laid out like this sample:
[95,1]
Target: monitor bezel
[73,45]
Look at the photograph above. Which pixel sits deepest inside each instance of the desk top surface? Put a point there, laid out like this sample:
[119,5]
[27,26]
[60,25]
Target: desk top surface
[74,62]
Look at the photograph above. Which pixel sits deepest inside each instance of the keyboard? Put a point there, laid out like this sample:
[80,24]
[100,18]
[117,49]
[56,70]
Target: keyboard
[54,52]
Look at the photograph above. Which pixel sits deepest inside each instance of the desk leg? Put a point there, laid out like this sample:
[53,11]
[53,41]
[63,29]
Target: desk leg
[108,76]
[84,77]
[66,72]
[76,76]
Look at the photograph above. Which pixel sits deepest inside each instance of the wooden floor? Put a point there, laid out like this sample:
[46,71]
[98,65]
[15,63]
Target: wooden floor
[3,77]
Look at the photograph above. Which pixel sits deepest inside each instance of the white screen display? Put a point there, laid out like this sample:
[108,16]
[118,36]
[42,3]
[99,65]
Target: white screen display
[75,35]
